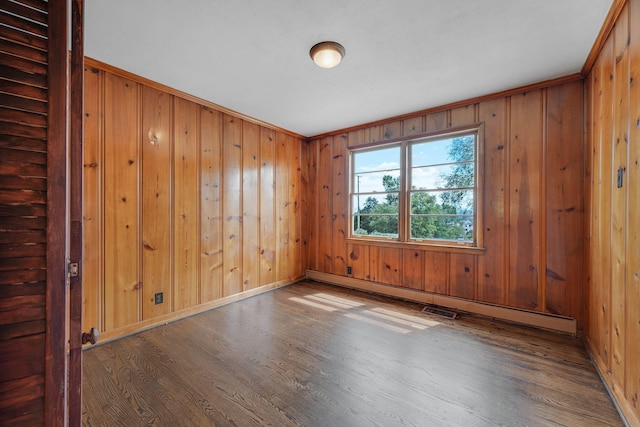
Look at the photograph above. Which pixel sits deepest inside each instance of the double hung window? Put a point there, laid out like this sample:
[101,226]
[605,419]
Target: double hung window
[423,190]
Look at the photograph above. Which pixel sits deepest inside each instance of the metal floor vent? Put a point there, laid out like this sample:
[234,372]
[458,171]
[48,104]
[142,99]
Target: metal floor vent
[439,311]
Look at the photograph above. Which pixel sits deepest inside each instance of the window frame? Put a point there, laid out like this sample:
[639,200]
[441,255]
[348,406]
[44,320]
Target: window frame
[404,208]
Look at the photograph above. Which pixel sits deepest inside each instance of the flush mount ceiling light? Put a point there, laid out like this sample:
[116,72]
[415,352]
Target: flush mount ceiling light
[327,54]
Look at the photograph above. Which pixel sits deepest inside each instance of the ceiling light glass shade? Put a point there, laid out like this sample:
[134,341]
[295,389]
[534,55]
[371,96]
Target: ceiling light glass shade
[327,54]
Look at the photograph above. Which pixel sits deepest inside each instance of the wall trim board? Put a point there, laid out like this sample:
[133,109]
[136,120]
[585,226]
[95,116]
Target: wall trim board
[144,325]
[603,35]
[539,320]
[615,390]
[570,78]
[90,62]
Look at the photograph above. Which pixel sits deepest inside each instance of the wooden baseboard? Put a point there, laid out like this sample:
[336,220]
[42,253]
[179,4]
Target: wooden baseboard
[615,390]
[181,314]
[530,318]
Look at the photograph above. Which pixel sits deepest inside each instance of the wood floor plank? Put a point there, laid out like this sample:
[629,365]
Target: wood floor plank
[311,354]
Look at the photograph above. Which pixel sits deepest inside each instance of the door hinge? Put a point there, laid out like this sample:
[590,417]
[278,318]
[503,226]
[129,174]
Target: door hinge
[73,268]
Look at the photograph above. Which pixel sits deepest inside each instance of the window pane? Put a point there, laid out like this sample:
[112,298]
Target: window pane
[376,215]
[442,202]
[376,225]
[442,176]
[377,160]
[375,192]
[458,149]
[448,227]
[430,152]
[374,204]
[377,182]
[376,171]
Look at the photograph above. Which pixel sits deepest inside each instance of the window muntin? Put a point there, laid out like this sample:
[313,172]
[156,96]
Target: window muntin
[376,190]
[423,190]
[442,188]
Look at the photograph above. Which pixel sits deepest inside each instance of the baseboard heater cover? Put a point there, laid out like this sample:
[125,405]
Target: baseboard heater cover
[510,314]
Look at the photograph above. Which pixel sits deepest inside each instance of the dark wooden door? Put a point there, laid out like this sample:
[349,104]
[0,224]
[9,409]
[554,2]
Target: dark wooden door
[33,212]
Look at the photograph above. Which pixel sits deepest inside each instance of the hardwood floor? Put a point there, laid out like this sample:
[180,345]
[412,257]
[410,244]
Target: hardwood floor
[312,354]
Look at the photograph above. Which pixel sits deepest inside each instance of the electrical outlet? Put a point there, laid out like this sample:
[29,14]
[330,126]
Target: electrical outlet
[349,270]
[158,298]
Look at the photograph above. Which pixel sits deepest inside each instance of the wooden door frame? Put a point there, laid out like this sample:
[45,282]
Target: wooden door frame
[63,371]
[76,160]
[56,364]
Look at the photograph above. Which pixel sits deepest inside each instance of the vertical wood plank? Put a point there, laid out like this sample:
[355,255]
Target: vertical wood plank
[356,137]
[340,216]
[587,236]
[462,275]
[232,204]
[251,188]
[267,207]
[596,328]
[436,121]
[436,272]
[619,194]
[186,250]
[491,278]
[121,241]
[282,206]
[358,261]
[93,207]
[374,263]
[392,130]
[313,212]
[413,269]
[413,126]
[389,264]
[303,208]
[632,368]
[564,194]
[525,209]
[156,201]
[463,116]
[325,209]
[606,189]
[373,134]
[295,239]
[211,238]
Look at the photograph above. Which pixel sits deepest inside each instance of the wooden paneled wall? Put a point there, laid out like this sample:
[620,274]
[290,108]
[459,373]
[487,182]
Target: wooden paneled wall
[182,198]
[532,197]
[613,285]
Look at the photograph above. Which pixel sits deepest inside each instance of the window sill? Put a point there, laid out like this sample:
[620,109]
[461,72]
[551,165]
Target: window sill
[432,247]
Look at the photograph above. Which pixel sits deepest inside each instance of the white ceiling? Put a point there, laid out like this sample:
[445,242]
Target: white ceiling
[252,56]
